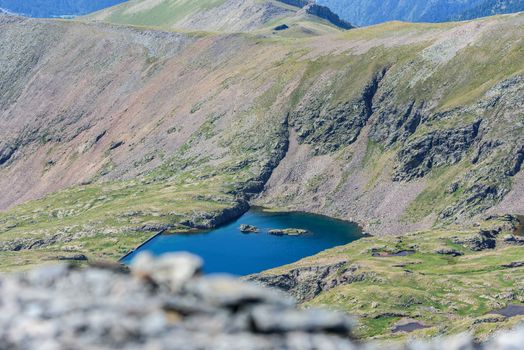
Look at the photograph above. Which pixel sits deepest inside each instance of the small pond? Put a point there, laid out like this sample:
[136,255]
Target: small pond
[227,250]
[408,327]
[511,310]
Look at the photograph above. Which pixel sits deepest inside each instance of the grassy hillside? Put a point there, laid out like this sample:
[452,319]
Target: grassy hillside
[214,15]
[398,127]
[448,282]
[156,13]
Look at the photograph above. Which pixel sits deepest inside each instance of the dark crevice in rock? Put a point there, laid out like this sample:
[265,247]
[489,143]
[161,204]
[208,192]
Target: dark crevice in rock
[484,150]
[256,185]
[115,145]
[513,265]
[371,90]
[515,164]
[6,154]
[99,136]
[281,27]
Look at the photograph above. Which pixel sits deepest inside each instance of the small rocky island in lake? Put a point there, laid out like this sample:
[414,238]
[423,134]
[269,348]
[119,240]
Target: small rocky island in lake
[288,232]
[248,228]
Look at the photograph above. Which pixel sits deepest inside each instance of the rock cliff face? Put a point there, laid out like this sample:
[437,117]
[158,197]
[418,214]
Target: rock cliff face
[305,283]
[378,125]
[437,148]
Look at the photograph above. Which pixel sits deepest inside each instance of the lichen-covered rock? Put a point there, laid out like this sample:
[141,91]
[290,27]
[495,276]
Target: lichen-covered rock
[173,270]
[60,307]
[163,304]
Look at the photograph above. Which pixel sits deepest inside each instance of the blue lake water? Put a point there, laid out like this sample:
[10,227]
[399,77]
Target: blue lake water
[227,250]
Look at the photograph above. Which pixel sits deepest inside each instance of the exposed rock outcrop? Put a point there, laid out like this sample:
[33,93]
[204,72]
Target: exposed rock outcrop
[288,232]
[77,257]
[325,12]
[441,147]
[514,265]
[480,241]
[329,128]
[394,123]
[320,11]
[244,228]
[305,283]
[6,152]
[205,221]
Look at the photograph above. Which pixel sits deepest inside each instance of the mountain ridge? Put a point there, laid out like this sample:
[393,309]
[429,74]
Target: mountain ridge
[224,16]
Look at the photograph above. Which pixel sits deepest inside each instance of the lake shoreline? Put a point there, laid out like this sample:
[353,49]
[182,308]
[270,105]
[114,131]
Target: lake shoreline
[225,249]
[233,218]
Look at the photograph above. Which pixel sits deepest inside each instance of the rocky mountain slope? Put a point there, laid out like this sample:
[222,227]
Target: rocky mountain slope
[123,131]
[55,8]
[368,12]
[111,133]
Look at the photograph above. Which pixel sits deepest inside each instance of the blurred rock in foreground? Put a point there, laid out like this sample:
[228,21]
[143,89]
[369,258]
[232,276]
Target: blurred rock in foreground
[166,304]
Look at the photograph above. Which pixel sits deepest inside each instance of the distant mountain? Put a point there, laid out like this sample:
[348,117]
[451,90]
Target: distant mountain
[359,12]
[55,8]
[492,7]
[368,12]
